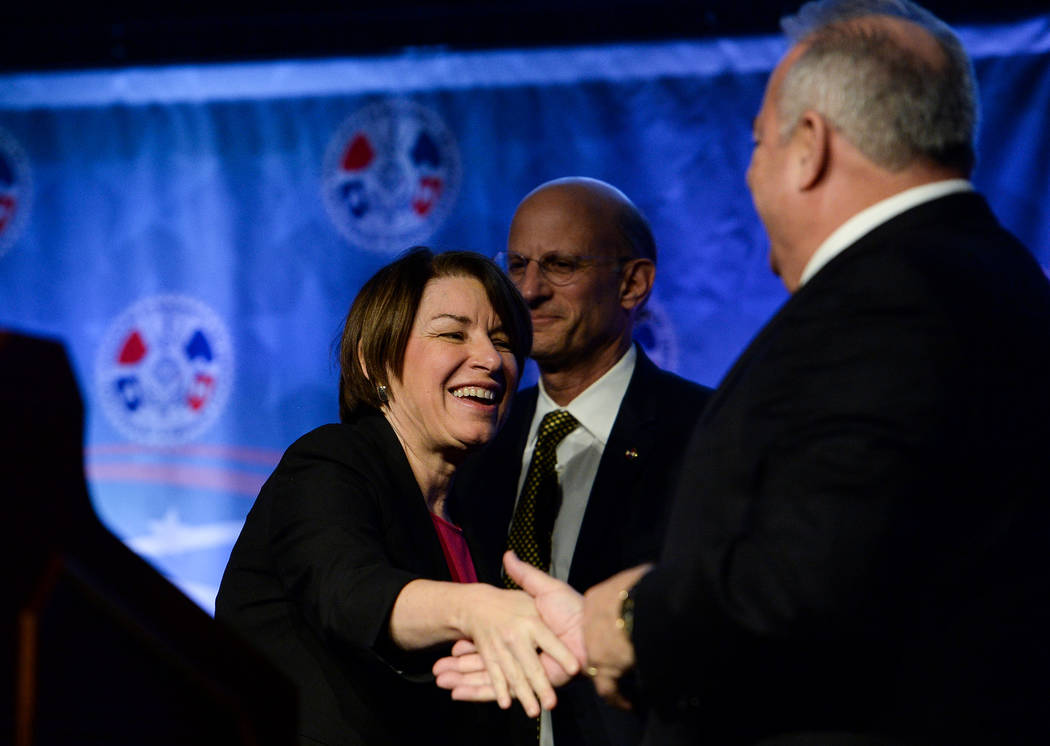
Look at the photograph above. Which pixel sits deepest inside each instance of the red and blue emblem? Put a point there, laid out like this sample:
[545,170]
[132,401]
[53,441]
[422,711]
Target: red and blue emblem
[15,191]
[391,175]
[164,370]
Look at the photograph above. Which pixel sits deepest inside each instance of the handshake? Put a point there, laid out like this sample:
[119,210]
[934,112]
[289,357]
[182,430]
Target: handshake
[541,638]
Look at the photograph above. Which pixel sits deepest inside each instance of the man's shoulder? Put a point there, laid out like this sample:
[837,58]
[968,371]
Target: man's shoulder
[660,384]
[948,252]
[682,385]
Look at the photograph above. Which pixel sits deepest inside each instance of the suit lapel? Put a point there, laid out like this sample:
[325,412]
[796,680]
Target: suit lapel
[408,502]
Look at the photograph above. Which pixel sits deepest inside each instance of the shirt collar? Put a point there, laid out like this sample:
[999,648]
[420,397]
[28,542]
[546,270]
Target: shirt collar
[871,217]
[593,408]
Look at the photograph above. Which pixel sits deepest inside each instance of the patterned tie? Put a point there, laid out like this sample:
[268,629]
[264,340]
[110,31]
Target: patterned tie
[533,523]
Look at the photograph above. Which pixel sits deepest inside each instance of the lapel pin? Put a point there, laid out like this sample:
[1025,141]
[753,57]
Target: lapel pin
[631,454]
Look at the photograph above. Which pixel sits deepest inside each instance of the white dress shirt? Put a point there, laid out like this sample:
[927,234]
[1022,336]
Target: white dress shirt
[579,452]
[871,217]
[578,455]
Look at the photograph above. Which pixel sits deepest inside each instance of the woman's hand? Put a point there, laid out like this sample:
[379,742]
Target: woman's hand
[504,627]
[466,672]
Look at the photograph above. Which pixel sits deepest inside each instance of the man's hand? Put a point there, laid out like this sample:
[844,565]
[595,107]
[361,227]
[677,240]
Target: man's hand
[560,608]
[610,652]
[559,605]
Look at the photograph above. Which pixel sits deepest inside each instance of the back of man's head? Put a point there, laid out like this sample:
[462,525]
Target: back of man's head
[889,76]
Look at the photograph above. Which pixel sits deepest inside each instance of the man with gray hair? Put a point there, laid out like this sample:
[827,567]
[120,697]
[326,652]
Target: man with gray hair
[859,545]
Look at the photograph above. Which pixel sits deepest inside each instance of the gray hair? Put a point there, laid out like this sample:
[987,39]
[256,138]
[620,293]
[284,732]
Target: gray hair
[890,102]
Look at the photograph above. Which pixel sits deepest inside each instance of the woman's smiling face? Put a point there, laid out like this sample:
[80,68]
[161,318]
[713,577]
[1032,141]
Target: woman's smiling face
[459,372]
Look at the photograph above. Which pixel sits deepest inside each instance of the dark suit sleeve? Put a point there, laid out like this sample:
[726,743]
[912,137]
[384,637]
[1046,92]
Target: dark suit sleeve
[328,548]
[796,510]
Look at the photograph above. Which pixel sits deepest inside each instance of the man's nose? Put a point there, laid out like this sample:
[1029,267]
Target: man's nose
[533,285]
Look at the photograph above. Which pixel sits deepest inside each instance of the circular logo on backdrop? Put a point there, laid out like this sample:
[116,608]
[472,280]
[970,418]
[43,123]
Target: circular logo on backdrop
[657,337]
[164,369]
[15,190]
[390,175]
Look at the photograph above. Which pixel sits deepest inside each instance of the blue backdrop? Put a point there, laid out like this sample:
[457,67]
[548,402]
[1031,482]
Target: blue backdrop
[196,234]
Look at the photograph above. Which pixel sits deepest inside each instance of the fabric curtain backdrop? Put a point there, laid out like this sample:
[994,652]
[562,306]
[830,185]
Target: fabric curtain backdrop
[195,234]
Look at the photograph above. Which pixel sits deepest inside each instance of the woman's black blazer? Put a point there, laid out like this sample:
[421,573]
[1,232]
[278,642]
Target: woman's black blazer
[337,531]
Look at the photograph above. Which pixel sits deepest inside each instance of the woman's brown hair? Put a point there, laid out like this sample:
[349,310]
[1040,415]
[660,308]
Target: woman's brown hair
[381,317]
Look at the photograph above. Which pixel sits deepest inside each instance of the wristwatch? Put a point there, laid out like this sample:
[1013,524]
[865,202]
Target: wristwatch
[626,619]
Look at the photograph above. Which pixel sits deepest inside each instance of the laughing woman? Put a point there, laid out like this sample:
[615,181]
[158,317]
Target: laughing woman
[348,573]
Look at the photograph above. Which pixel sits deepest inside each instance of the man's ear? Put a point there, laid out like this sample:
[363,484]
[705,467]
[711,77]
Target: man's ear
[811,144]
[636,283]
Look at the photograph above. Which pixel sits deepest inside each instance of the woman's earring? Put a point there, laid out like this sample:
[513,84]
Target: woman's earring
[381,392]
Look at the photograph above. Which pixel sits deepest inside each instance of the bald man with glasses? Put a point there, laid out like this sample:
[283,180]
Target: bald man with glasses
[584,258]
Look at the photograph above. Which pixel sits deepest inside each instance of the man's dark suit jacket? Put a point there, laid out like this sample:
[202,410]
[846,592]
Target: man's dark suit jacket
[337,531]
[861,541]
[623,523]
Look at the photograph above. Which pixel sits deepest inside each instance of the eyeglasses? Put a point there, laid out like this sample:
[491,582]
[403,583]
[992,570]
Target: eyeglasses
[557,269]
